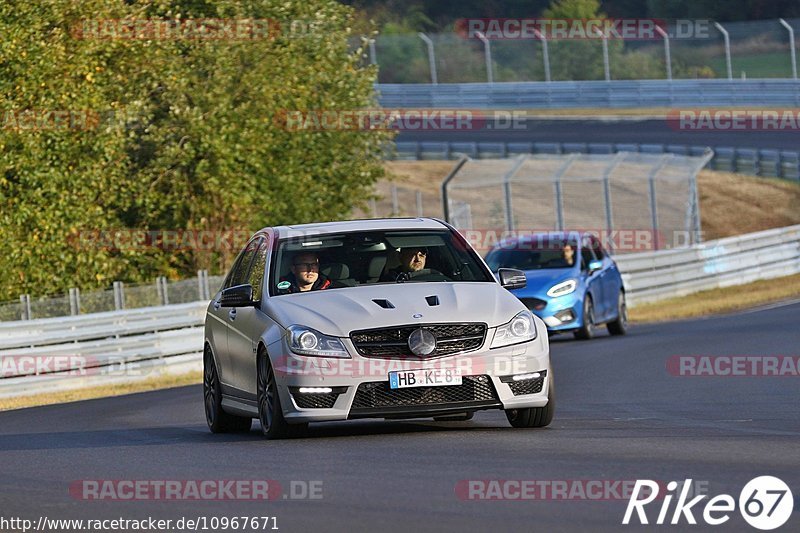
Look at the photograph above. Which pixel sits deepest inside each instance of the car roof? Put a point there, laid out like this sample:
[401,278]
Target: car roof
[371,224]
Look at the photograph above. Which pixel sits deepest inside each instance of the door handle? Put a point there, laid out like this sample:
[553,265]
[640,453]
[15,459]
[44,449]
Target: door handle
[232,314]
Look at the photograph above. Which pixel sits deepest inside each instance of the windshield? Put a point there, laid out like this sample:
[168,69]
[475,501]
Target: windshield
[549,254]
[337,261]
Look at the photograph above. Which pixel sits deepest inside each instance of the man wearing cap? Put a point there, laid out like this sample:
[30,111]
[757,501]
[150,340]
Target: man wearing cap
[411,260]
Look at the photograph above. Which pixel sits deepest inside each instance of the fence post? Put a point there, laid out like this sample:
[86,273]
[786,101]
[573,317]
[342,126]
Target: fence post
[74,302]
[419,204]
[606,65]
[200,292]
[431,57]
[119,295]
[545,53]
[667,58]
[559,198]
[607,193]
[445,201]
[791,47]
[651,178]
[507,190]
[25,303]
[206,285]
[727,39]
[487,53]
[373,207]
[372,56]
[163,292]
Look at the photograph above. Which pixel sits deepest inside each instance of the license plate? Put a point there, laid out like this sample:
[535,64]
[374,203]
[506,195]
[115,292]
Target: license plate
[402,379]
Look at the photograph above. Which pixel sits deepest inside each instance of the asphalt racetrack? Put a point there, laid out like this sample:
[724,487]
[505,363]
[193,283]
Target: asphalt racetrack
[620,416]
[648,131]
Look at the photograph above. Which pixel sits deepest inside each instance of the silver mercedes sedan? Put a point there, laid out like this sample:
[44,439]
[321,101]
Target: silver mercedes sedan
[393,318]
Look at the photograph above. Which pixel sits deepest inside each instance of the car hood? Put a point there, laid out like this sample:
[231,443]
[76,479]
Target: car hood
[339,311]
[542,280]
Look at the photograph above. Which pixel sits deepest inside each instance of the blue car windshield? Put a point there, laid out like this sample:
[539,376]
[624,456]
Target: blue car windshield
[551,257]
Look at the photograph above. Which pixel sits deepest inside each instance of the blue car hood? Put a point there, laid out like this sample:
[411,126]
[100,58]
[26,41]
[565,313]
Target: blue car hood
[542,280]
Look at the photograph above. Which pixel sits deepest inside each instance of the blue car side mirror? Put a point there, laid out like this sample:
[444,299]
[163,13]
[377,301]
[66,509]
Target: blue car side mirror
[595,265]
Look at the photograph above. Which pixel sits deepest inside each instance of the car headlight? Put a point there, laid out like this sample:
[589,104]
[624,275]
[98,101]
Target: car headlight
[563,288]
[521,328]
[306,341]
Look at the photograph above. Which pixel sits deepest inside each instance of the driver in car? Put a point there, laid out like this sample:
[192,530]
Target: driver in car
[305,275]
[411,260]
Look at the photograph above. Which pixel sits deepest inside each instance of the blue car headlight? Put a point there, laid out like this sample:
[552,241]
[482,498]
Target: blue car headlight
[521,328]
[563,288]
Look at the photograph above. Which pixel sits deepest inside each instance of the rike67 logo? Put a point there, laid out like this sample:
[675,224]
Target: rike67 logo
[765,503]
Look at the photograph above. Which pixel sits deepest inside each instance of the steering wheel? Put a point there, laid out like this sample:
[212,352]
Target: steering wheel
[427,274]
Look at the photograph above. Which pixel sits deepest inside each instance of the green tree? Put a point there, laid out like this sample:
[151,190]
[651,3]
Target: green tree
[188,137]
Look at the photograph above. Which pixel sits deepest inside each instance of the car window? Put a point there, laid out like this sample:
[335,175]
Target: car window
[531,255]
[597,248]
[239,274]
[373,257]
[587,256]
[256,276]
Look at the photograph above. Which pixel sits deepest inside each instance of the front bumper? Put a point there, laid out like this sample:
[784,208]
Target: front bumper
[341,389]
[562,313]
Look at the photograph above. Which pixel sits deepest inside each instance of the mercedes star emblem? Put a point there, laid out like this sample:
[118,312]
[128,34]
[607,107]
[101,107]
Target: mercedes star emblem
[422,342]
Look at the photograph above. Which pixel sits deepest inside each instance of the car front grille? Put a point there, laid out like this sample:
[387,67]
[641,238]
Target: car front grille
[393,342]
[378,394]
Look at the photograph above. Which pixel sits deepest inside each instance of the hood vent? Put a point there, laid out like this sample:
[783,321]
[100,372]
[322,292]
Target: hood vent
[386,304]
[433,301]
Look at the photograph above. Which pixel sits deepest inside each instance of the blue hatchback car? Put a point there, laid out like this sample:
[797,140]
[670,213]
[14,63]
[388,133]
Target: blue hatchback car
[573,284]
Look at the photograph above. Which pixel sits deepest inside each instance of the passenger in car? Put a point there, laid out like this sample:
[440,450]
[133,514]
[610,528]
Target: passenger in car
[411,260]
[305,275]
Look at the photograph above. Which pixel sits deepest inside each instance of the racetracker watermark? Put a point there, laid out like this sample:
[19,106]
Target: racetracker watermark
[30,120]
[451,120]
[734,119]
[66,365]
[194,489]
[534,239]
[554,489]
[122,239]
[378,369]
[734,365]
[177,29]
[581,29]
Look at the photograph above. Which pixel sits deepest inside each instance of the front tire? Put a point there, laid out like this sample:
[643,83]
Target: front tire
[586,331]
[620,325]
[535,417]
[217,419]
[270,413]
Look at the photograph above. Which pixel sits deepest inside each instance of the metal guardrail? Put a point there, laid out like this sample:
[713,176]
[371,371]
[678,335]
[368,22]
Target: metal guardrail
[724,262]
[758,162]
[583,94]
[124,346]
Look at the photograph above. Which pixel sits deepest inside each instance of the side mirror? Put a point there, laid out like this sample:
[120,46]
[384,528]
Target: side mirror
[238,296]
[511,278]
[594,266]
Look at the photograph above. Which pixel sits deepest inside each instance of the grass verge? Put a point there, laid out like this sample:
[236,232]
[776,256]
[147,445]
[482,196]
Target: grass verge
[160,382]
[718,301]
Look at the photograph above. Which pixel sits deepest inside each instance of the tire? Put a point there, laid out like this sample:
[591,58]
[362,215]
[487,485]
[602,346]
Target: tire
[619,326]
[535,417]
[270,414]
[217,419]
[463,417]
[585,332]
